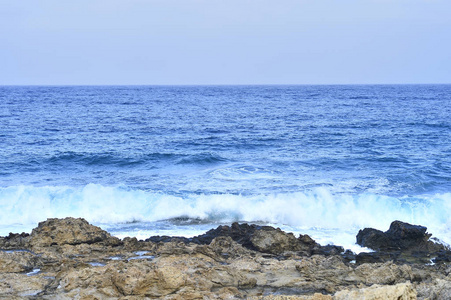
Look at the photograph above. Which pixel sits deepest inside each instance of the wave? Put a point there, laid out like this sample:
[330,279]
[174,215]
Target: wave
[200,159]
[104,158]
[89,159]
[318,208]
[113,159]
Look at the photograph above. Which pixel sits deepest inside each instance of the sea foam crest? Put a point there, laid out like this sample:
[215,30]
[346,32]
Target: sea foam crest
[22,207]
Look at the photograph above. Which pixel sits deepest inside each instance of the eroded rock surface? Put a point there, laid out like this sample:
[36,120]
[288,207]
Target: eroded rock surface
[265,239]
[402,291]
[70,231]
[71,259]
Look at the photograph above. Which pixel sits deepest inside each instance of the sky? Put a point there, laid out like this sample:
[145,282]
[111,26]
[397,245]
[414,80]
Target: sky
[191,42]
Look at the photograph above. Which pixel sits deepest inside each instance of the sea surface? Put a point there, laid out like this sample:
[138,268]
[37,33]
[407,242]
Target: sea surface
[180,160]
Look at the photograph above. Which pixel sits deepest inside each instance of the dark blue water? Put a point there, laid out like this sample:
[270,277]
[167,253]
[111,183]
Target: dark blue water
[322,157]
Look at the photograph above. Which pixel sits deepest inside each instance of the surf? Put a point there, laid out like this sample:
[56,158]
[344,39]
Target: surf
[316,211]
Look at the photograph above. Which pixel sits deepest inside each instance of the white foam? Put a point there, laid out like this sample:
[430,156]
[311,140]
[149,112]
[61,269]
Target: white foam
[329,217]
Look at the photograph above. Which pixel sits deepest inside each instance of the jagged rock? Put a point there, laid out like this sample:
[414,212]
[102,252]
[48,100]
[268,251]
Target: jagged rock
[85,280]
[325,274]
[241,233]
[401,291]
[439,289]
[172,274]
[275,241]
[375,257]
[442,256]
[70,231]
[373,239]
[386,273]
[224,248]
[18,261]
[400,236]
[348,255]
[259,238]
[139,278]
[402,242]
[21,286]
[15,241]
[406,233]
[142,279]
[167,239]
[332,250]
[80,261]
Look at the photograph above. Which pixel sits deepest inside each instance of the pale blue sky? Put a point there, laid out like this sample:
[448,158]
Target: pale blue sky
[225,42]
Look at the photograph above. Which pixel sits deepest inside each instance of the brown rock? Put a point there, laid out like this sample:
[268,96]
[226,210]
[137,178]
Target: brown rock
[401,291]
[87,281]
[319,267]
[165,276]
[225,247]
[21,286]
[275,241]
[69,231]
[143,279]
[386,273]
[15,241]
[81,261]
[18,261]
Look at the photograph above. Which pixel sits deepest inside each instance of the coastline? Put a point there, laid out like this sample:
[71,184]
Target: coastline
[72,259]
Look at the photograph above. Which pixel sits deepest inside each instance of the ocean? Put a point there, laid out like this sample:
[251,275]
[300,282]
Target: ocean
[323,160]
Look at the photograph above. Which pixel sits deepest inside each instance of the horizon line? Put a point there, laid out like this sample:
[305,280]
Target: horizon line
[222,84]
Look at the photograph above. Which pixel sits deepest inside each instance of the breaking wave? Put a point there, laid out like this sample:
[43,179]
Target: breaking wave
[25,206]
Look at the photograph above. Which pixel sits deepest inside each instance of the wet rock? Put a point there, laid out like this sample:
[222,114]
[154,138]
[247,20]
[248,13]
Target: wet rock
[241,233]
[332,250]
[167,239]
[400,236]
[442,256]
[374,239]
[349,256]
[375,257]
[406,233]
[265,239]
[70,231]
[402,242]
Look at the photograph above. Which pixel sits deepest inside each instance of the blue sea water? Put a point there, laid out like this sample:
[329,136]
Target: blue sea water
[179,160]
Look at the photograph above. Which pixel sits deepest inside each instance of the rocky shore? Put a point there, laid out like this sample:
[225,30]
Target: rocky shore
[71,259]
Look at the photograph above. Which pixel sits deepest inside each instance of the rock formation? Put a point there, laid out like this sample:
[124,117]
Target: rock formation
[265,239]
[402,242]
[71,259]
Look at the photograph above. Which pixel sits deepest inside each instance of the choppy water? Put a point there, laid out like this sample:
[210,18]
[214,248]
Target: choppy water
[145,160]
